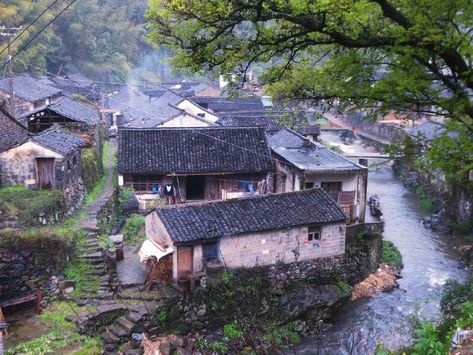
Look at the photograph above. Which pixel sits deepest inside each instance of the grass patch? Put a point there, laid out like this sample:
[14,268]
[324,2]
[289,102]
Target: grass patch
[425,204]
[62,335]
[390,254]
[134,229]
[28,205]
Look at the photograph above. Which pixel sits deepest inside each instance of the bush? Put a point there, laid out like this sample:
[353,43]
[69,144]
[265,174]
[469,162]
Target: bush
[28,205]
[90,168]
[133,230]
[428,341]
[390,254]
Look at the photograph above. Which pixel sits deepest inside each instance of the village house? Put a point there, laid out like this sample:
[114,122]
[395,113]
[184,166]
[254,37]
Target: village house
[195,163]
[167,110]
[47,160]
[272,121]
[302,164]
[28,93]
[247,232]
[75,116]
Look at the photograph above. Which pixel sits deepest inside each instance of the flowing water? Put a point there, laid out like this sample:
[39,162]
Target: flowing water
[429,260]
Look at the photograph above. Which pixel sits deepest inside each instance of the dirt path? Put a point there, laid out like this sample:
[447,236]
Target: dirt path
[89,222]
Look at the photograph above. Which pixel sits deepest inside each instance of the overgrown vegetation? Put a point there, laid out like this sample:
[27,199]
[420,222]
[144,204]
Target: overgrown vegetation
[390,254]
[100,183]
[89,167]
[30,205]
[63,334]
[457,313]
[133,230]
[243,305]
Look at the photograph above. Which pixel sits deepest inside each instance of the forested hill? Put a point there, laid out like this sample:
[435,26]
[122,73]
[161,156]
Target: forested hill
[103,39]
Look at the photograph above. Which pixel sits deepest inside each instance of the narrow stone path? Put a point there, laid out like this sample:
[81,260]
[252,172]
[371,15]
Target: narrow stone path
[89,222]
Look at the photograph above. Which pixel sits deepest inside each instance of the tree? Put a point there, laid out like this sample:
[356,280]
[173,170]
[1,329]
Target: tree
[385,55]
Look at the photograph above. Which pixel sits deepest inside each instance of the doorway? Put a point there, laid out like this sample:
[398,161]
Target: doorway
[195,187]
[184,260]
[45,173]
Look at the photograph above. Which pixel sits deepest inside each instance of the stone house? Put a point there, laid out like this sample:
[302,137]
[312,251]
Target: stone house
[247,232]
[47,160]
[28,93]
[195,163]
[302,164]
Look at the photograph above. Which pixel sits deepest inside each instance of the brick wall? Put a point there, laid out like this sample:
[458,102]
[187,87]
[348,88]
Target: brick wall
[249,250]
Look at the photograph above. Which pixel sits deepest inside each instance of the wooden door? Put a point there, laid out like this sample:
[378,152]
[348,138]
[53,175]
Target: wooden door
[45,173]
[184,260]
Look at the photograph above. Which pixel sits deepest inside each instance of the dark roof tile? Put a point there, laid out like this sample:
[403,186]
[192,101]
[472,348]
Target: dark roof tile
[29,88]
[193,150]
[258,213]
[58,141]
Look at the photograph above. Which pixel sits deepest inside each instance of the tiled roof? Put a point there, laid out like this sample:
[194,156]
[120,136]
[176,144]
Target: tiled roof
[12,132]
[287,138]
[58,141]
[223,104]
[271,120]
[72,109]
[193,150]
[29,88]
[316,159]
[258,213]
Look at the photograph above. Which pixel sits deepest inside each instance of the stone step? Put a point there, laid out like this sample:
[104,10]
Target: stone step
[119,331]
[134,317]
[126,324]
[110,338]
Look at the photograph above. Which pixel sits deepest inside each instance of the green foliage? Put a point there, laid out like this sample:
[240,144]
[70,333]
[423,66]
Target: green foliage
[91,346]
[426,204]
[97,189]
[281,336]
[219,347]
[454,294]
[344,287]
[46,344]
[55,315]
[161,315]
[390,254]
[28,205]
[232,330]
[428,341]
[90,168]
[76,269]
[133,230]
[100,39]
[377,55]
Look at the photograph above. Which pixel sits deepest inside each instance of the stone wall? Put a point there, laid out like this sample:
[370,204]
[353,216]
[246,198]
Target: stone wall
[34,264]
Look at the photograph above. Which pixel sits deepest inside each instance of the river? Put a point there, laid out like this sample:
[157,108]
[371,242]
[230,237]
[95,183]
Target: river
[429,260]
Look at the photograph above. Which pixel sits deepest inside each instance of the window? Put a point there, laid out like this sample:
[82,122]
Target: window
[210,252]
[201,114]
[309,185]
[69,165]
[282,183]
[313,235]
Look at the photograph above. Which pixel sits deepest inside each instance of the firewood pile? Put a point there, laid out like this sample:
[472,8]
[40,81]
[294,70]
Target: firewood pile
[159,272]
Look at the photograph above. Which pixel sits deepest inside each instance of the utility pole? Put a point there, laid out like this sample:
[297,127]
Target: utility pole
[9,32]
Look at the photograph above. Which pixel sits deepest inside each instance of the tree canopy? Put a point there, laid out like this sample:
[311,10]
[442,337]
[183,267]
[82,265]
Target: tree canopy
[401,55]
[101,38]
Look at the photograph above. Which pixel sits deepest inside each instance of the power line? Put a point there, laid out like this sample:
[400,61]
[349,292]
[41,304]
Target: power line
[31,24]
[40,31]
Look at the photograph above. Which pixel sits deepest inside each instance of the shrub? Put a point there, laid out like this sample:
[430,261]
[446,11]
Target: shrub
[90,168]
[232,330]
[428,341]
[390,254]
[133,230]
[219,347]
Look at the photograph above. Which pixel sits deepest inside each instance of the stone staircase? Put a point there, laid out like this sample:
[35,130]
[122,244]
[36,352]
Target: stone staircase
[103,281]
